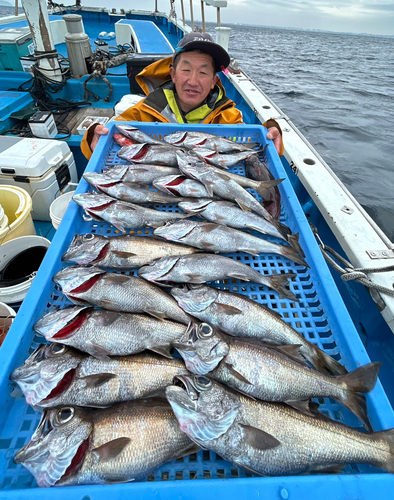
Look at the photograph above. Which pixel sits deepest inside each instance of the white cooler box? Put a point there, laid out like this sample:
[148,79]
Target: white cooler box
[42,167]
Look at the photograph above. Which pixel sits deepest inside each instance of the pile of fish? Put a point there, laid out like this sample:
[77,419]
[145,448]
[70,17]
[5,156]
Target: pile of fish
[116,402]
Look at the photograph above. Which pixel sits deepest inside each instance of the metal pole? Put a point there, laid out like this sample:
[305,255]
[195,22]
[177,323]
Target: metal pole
[202,16]
[155,5]
[191,14]
[38,20]
[183,13]
[218,11]
[16,7]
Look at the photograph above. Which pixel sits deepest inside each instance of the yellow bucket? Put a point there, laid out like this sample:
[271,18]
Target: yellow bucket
[17,206]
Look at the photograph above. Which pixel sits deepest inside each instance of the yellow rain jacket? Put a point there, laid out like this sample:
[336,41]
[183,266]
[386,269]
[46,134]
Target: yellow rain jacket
[160,104]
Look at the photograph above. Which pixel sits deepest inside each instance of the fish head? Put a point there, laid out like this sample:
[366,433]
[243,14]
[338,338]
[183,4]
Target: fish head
[47,373]
[100,181]
[189,164]
[93,202]
[157,270]
[202,348]
[194,298]
[134,152]
[116,173]
[87,249]
[204,409]
[205,154]
[58,446]
[60,325]
[168,184]
[176,230]
[194,206]
[77,279]
[176,138]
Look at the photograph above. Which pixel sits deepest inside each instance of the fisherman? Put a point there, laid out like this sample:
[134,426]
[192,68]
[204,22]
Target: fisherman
[184,89]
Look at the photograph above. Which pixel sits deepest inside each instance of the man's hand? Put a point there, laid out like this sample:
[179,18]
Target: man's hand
[98,132]
[274,135]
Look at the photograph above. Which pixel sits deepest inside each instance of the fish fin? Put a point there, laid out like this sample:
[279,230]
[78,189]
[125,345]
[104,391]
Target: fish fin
[238,276]
[293,239]
[98,351]
[258,439]
[264,187]
[192,448]
[335,469]
[236,374]
[302,406]
[322,361]
[162,350]
[118,481]
[362,379]
[118,224]
[98,379]
[250,252]
[248,469]
[208,228]
[108,303]
[124,255]
[293,254]
[279,283]
[226,309]
[111,450]
[156,314]
[194,278]
[208,186]
[243,207]
[292,351]
[222,175]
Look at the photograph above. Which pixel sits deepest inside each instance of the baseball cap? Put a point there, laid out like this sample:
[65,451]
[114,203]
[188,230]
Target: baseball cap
[205,43]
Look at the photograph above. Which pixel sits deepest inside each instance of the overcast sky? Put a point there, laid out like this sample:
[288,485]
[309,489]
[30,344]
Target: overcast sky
[354,16]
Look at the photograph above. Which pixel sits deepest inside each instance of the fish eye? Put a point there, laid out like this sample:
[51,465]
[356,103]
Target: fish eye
[57,349]
[88,237]
[65,414]
[202,383]
[205,331]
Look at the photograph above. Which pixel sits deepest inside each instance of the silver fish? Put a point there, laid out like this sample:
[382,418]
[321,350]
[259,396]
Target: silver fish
[240,316]
[121,252]
[201,268]
[222,160]
[277,374]
[147,153]
[121,214]
[179,185]
[119,444]
[191,140]
[228,214]
[103,333]
[271,439]
[137,135]
[57,375]
[140,174]
[220,184]
[117,292]
[222,239]
[127,191]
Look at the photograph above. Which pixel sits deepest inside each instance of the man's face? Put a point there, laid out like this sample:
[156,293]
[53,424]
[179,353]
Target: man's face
[194,77]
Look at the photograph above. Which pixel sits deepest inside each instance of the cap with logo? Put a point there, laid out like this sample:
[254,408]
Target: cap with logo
[205,43]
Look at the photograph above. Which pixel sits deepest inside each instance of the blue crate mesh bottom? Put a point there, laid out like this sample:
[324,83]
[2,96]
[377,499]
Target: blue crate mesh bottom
[307,316]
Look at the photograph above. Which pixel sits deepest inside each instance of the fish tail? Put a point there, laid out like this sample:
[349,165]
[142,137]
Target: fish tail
[387,436]
[293,239]
[293,255]
[362,379]
[263,187]
[322,361]
[284,230]
[279,282]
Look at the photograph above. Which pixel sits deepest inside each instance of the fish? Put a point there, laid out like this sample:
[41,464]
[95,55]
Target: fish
[256,170]
[56,374]
[272,373]
[122,140]
[217,238]
[149,153]
[263,187]
[271,439]
[228,214]
[136,135]
[121,214]
[102,333]
[222,160]
[117,292]
[240,316]
[121,252]
[127,191]
[73,446]
[140,174]
[201,268]
[191,140]
[224,187]
[179,185]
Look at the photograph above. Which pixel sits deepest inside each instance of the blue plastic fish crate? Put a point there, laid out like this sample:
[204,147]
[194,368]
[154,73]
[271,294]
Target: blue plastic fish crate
[320,316]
